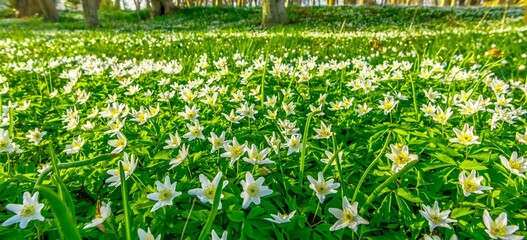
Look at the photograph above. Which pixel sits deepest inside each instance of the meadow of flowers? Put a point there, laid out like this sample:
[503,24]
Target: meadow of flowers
[283,134]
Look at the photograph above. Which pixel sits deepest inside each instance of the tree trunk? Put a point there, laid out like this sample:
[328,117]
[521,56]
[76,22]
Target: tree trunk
[117,4]
[162,7]
[273,12]
[89,8]
[49,10]
[27,8]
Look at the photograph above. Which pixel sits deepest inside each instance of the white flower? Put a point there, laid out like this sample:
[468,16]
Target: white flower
[194,132]
[256,157]
[400,157]
[435,217]
[217,142]
[498,229]
[140,116]
[281,218]
[294,144]
[103,212]
[173,142]
[348,216]
[388,104]
[322,187]
[75,146]
[522,137]
[465,136]
[208,189]
[166,192]
[441,116]
[471,184]
[253,190]
[273,142]
[147,235]
[129,163]
[35,136]
[363,109]
[119,144]
[329,156]
[25,212]
[516,165]
[216,237]
[6,145]
[233,151]
[88,126]
[181,156]
[324,132]
[190,113]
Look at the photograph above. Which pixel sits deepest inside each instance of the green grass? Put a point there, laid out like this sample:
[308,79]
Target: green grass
[368,54]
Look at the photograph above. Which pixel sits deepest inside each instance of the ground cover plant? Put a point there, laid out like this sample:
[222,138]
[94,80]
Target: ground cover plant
[321,130]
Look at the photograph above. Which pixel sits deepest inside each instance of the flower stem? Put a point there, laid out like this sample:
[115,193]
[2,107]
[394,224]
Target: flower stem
[206,230]
[90,161]
[379,189]
[126,204]
[303,150]
[370,167]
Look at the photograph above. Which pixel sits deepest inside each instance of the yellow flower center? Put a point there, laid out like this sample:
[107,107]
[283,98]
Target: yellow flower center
[217,142]
[256,156]
[387,105]
[236,151]
[325,133]
[120,142]
[465,137]
[3,143]
[253,190]
[441,117]
[498,229]
[347,216]
[436,218]
[294,143]
[164,194]
[27,211]
[209,191]
[470,185]
[401,158]
[515,166]
[322,188]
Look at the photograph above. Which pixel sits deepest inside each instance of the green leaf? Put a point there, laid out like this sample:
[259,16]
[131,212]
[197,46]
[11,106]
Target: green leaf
[404,193]
[449,151]
[472,165]
[65,220]
[236,216]
[459,212]
[255,213]
[444,158]
[162,155]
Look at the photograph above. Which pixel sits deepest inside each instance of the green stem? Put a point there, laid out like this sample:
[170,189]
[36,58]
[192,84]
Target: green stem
[126,205]
[90,161]
[363,177]
[375,194]
[303,150]
[414,96]
[206,230]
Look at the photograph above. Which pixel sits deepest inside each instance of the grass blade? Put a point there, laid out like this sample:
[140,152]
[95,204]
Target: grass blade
[65,220]
[126,205]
